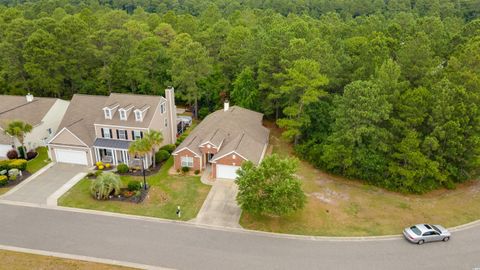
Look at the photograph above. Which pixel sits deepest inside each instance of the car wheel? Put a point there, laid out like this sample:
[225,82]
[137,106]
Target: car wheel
[446,239]
[420,242]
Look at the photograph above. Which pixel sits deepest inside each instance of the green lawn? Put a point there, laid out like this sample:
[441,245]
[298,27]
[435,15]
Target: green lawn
[33,165]
[167,192]
[342,207]
[27,261]
[39,161]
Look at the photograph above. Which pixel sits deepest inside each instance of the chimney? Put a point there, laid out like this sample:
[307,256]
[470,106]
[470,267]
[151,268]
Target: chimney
[29,97]
[171,113]
[226,106]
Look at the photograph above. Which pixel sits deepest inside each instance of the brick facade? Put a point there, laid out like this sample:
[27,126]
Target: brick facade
[186,153]
[232,159]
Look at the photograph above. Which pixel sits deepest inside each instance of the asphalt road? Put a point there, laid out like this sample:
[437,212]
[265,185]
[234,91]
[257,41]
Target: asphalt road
[184,246]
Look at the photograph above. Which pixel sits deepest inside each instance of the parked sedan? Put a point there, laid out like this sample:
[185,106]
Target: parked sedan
[422,233]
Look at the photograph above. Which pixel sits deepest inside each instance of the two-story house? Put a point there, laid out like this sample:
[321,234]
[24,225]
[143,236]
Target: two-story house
[100,128]
[44,114]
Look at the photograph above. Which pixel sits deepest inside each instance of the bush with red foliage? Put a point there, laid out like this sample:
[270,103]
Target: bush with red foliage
[12,154]
[31,154]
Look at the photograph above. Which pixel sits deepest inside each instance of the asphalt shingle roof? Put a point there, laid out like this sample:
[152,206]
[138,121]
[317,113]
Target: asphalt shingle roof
[237,129]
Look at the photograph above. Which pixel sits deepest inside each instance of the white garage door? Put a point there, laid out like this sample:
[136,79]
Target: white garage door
[227,171]
[71,156]
[4,148]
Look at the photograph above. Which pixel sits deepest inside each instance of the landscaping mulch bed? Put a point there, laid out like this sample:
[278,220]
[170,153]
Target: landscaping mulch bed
[25,175]
[148,172]
[133,199]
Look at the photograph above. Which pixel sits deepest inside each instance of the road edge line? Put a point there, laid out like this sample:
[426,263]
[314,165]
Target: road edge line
[81,258]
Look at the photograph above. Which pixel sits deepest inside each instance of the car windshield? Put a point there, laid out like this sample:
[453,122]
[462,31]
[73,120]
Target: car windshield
[436,229]
[415,230]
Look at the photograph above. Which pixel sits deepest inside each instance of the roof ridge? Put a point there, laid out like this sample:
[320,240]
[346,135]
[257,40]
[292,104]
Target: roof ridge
[74,122]
[21,105]
[239,141]
[133,94]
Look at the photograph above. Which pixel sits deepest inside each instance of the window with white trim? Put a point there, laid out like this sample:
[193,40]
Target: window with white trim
[165,122]
[123,115]
[162,108]
[187,162]
[138,116]
[137,134]
[122,134]
[106,133]
[108,113]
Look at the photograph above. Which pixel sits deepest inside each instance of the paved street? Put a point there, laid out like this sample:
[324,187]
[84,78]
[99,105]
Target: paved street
[39,189]
[185,246]
[220,207]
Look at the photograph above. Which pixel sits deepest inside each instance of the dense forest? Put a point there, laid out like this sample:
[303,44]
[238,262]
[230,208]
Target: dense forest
[387,91]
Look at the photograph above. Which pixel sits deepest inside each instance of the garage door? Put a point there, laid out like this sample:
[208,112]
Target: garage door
[227,171]
[4,148]
[71,156]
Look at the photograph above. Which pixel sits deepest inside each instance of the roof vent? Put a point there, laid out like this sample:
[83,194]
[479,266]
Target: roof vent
[29,97]
[226,106]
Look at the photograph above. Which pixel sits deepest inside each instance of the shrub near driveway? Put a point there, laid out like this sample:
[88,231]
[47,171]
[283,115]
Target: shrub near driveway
[166,193]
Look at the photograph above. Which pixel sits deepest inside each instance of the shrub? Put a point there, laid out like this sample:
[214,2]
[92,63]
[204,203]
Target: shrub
[21,152]
[101,167]
[108,165]
[4,165]
[98,164]
[105,185]
[122,168]
[185,169]
[12,154]
[197,172]
[90,174]
[20,164]
[134,185]
[169,148]
[98,173]
[161,155]
[3,180]
[178,170]
[31,154]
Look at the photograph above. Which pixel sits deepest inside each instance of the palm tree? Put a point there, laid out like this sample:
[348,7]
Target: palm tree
[140,148]
[155,138]
[18,129]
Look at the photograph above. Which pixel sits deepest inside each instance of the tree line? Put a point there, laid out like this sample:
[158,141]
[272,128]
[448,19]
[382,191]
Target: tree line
[385,91]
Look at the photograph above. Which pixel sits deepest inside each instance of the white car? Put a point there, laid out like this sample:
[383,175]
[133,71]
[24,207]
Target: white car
[422,233]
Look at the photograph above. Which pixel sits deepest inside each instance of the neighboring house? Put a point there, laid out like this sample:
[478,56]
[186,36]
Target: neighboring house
[223,140]
[44,114]
[101,128]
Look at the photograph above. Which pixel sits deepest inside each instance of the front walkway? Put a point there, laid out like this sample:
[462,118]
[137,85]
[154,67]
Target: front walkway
[44,185]
[221,208]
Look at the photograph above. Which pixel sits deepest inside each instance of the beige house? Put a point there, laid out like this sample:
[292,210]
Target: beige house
[222,141]
[101,128]
[44,114]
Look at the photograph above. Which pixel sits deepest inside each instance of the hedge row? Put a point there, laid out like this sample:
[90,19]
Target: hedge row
[20,164]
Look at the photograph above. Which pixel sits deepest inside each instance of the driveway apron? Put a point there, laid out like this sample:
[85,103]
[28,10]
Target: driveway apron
[221,208]
[39,189]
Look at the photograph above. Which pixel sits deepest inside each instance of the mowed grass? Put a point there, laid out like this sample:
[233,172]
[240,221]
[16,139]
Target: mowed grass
[39,161]
[341,207]
[166,193]
[25,261]
[33,165]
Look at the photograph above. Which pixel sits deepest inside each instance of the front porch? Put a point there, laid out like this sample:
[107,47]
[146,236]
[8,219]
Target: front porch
[116,152]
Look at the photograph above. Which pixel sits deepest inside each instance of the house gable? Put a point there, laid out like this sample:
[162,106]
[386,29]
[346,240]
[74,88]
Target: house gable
[66,137]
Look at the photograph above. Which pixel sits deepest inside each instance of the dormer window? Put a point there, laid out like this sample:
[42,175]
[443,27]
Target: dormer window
[138,116]
[123,114]
[108,113]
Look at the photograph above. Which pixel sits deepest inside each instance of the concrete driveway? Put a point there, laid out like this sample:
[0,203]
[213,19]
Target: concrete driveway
[220,207]
[40,188]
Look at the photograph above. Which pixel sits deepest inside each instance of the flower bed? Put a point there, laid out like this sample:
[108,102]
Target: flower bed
[130,196]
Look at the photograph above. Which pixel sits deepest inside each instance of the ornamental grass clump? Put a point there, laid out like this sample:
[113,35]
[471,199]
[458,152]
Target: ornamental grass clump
[105,185]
